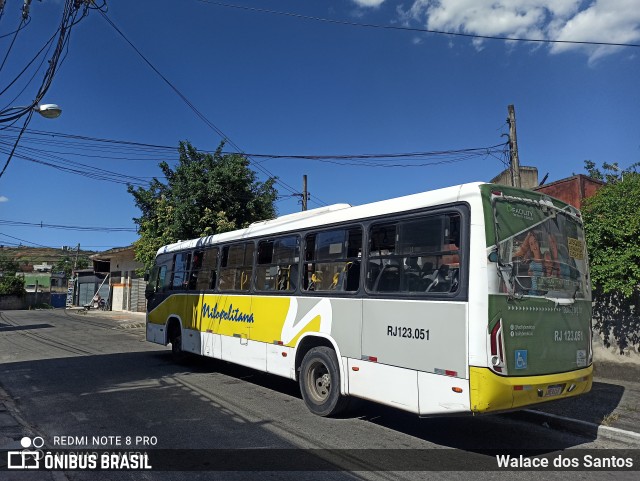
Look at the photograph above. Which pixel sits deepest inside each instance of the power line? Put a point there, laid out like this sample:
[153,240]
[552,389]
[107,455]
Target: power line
[11,45]
[43,225]
[73,12]
[362,159]
[78,167]
[199,114]
[414,29]
[28,242]
[22,26]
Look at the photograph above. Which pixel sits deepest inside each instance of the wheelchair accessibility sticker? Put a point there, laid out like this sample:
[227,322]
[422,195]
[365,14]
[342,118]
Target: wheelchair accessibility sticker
[521,359]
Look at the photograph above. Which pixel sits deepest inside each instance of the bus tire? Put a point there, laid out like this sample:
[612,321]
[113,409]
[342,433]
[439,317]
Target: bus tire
[320,382]
[175,339]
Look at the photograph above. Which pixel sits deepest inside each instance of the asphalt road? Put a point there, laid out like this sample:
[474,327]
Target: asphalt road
[67,376]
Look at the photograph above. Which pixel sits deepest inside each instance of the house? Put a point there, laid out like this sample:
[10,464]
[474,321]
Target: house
[572,190]
[86,284]
[126,286]
[528,177]
[44,267]
[55,282]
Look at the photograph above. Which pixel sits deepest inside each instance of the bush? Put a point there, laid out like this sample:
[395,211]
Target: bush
[12,285]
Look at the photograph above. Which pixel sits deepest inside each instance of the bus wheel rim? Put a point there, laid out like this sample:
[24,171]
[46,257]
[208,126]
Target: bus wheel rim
[319,382]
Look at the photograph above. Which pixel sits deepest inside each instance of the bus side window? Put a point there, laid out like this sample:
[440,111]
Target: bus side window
[332,260]
[417,255]
[162,274]
[196,265]
[164,263]
[206,278]
[383,269]
[236,267]
[277,263]
[152,284]
[181,271]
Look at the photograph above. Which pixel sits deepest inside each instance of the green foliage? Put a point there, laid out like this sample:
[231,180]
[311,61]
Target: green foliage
[7,265]
[610,173]
[83,263]
[205,194]
[66,263]
[612,226]
[10,284]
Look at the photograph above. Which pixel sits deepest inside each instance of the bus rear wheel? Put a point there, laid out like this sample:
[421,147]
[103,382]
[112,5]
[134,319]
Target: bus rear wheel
[320,382]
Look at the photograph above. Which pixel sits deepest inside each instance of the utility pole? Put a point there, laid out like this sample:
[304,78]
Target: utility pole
[305,194]
[514,165]
[75,264]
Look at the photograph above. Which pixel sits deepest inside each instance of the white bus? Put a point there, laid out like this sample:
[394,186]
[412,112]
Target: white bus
[473,298]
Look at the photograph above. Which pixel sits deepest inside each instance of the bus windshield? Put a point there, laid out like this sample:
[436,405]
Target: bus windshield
[543,248]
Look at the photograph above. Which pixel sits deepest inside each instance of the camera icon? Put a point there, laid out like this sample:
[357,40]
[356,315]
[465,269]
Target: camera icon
[25,459]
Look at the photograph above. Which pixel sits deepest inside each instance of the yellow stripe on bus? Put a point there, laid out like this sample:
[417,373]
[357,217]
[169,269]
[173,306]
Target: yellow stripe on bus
[259,318]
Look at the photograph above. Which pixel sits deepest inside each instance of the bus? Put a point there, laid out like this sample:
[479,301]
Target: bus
[468,299]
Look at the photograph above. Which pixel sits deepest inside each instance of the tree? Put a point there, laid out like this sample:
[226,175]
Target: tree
[66,264]
[612,227]
[10,284]
[206,194]
[8,266]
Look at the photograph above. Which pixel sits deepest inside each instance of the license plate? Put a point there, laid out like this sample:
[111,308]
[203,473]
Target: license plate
[554,390]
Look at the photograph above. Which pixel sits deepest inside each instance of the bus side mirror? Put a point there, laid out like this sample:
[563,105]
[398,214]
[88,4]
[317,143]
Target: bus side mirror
[149,291]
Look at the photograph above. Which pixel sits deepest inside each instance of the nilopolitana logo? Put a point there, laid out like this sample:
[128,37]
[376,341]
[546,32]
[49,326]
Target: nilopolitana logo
[230,314]
[29,457]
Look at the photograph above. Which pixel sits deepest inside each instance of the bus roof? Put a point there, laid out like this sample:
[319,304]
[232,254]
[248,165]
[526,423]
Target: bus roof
[332,214]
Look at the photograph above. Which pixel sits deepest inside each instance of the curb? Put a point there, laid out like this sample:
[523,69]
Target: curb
[578,426]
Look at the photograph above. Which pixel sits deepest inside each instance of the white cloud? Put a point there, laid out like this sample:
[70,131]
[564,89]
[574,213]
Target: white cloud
[615,21]
[369,3]
[4,199]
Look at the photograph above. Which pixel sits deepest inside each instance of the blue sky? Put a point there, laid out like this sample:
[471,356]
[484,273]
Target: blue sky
[282,85]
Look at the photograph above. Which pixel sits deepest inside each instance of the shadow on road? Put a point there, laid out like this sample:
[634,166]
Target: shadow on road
[140,393]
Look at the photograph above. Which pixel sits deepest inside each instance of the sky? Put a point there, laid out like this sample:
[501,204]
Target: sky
[312,83]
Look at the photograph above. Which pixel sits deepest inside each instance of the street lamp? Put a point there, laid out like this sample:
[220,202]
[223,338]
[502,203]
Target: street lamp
[12,114]
[48,111]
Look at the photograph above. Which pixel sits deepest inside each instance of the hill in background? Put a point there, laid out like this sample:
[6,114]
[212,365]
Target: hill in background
[27,257]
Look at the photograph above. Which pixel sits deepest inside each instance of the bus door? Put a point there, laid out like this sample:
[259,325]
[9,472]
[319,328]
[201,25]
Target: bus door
[233,311]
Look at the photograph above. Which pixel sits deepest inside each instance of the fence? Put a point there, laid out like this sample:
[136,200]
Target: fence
[10,302]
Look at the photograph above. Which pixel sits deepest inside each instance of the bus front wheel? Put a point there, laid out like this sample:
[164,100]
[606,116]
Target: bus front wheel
[175,338]
[320,382]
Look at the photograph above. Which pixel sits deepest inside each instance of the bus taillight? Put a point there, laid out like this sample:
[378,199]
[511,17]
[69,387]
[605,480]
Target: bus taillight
[497,354]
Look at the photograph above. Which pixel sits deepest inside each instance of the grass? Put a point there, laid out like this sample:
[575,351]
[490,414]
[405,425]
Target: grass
[610,418]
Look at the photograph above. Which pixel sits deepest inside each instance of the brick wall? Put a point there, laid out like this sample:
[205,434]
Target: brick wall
[572,190]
